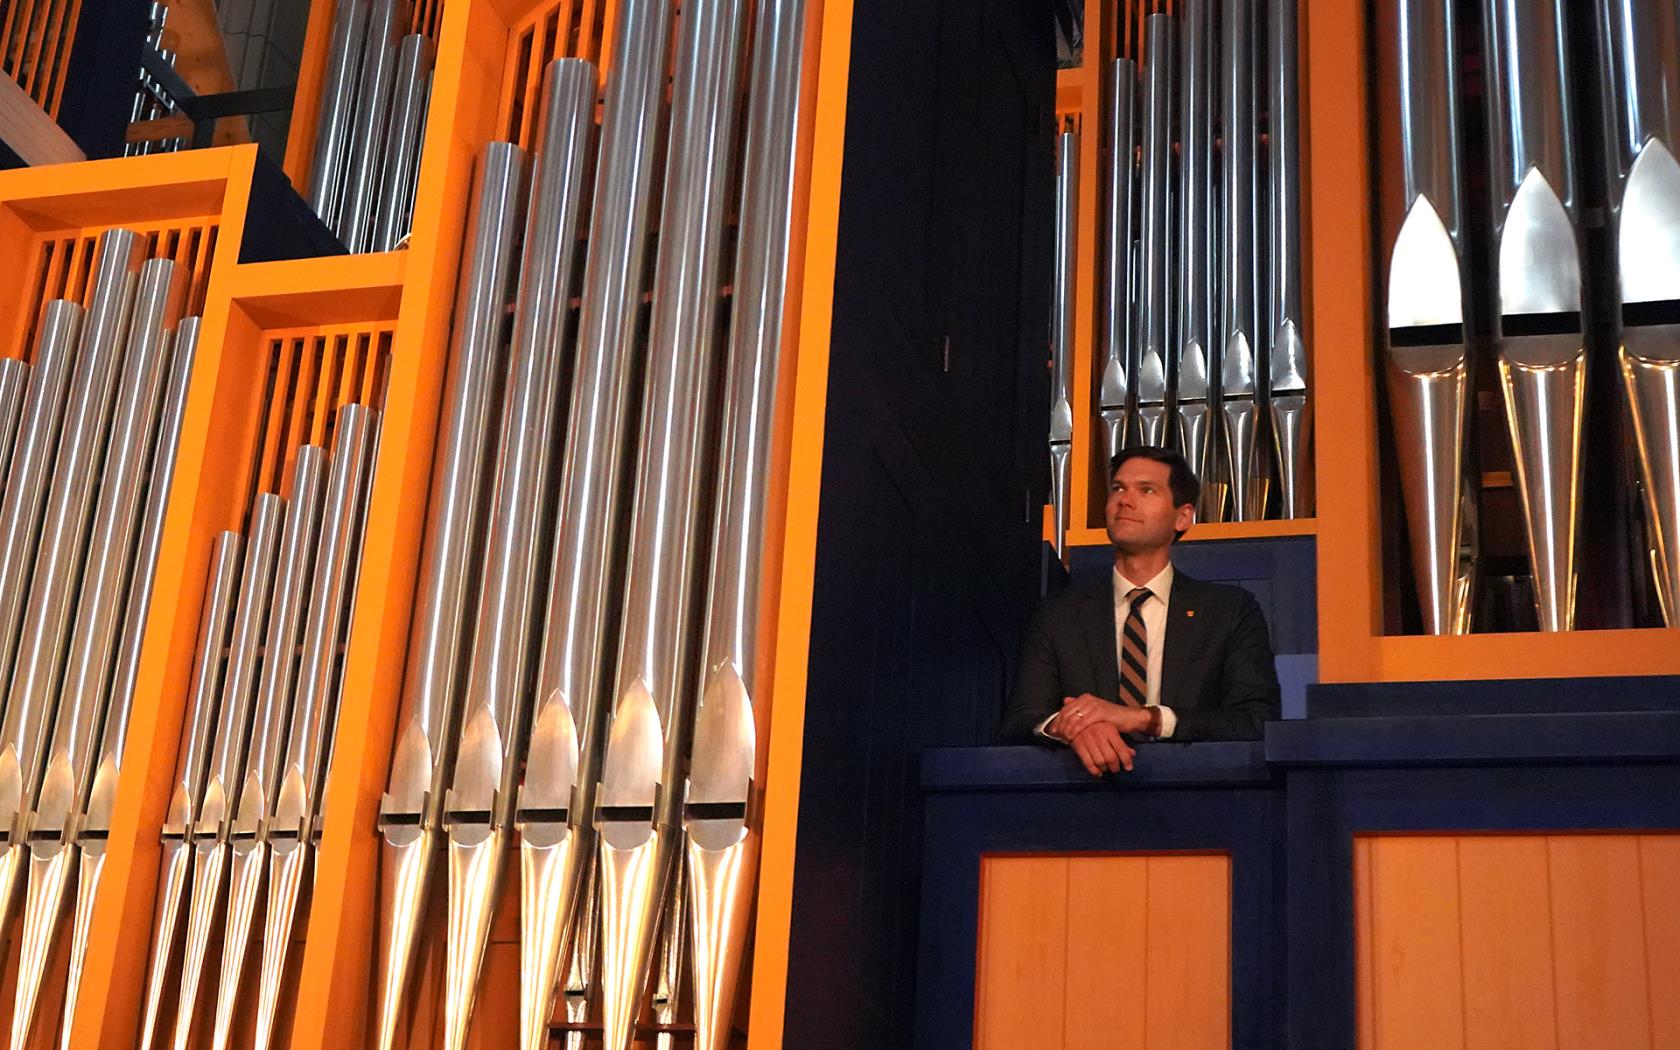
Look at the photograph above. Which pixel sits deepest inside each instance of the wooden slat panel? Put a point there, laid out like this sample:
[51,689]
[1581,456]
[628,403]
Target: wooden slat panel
[1106,939]
[1365,980]
[1598,934]
[1023,952]
[1187,967]
[1503,894]
[1659,870]
[1419,997]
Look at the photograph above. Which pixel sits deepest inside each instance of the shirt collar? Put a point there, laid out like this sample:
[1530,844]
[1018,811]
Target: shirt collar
[1160,586]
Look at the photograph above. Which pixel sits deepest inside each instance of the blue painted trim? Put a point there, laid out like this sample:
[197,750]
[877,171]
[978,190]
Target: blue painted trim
[1631,736]
[1504,697]
[1017,768]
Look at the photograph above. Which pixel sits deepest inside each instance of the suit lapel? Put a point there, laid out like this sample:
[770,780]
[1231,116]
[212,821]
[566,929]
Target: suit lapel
[1185,630]
[1098,620]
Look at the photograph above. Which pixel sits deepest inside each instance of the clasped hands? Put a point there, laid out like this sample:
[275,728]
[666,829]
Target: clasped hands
[1092,727]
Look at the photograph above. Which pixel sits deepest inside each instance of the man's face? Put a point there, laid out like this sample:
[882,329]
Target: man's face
[1140,513]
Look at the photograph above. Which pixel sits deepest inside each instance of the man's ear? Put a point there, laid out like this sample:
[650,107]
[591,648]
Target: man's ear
[1185,517]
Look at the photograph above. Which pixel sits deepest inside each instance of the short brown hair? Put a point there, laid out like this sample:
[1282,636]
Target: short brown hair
[1186,488]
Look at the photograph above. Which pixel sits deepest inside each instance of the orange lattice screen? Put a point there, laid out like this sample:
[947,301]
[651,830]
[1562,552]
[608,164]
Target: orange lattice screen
[35,42]
[61,263]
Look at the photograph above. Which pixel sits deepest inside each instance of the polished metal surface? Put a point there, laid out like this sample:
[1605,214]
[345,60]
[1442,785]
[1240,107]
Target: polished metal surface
[96,615]
[1191,355]
[1428,364]
[1118,318]
[730,723]
[1155,243]
[1640,85]
[497,711]
[1537,274]
[333,142]
[58,573]
[648,739]
[1290,399]
[573,671]
[546,847]
[366,148]
[14,383]
[412,806]
[399,175]
[31,455]
[1238,386]
[294,817]
[226,761]
[270,721]
[214,622]
[1062,297]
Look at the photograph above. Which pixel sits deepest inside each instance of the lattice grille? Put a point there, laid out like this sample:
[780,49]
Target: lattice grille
[61,264]
[1129,32]
[425,17]
[35,42]
[312,372]
[562,29]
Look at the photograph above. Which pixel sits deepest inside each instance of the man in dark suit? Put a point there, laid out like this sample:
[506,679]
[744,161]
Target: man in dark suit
[1148,652]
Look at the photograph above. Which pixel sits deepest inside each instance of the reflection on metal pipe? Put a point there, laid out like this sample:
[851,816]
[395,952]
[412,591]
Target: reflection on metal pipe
[1118,345]
[1428,363]
[83,690]
[101,798]
[295,817]
[1155,209]
[58,569]
[366,147]
[639,820]
[546,285]
[210,817]
[214,622]
[1290,402]
[14,383]
[1061,330]
[1195,273]
[732,722]
[338,98]
[572,676]
[1537,328]
[1238,389]
[1641,86]
[269,724]
[411,809]
[395,204]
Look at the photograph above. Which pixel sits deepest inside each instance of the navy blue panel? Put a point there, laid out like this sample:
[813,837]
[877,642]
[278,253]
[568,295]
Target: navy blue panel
[1296,673]
[1507,697]
[1016,768]
[1628,736]
[9,158]
[103,74]
[1282,573]
[279,224]
[1109,815]
[935,466]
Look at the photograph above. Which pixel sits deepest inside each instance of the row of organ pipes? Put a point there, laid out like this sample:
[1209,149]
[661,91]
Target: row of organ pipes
[90,427]
[1532,275]
[371,122]
[595,707]
[1201,336]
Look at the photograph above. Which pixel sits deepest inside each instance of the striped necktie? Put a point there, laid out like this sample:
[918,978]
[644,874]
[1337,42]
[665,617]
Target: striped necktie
[1134,651]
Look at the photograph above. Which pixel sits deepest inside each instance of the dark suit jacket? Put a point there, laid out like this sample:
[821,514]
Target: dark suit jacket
[1217,673]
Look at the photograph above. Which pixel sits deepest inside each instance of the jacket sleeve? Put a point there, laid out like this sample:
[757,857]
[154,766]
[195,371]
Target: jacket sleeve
[1248,685]
[1033,697]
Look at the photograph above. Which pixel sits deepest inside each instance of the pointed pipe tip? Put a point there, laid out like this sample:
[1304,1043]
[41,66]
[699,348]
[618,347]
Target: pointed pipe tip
[49,878]
[405,885]
[285,883]
[549,888]
[474,877]
[207,868]
[245,871]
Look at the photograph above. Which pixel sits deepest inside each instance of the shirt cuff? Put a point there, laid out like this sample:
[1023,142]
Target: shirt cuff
[1040,729]
[1169,722]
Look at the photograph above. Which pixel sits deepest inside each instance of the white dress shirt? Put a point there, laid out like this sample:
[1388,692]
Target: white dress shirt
[1154,612]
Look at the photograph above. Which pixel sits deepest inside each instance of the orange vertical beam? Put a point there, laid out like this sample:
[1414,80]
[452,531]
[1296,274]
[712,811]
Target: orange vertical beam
[1339,218]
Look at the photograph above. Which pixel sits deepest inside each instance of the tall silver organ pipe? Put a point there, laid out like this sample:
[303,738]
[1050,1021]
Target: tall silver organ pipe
[1640,85]
[1192,357]
[1428,362]
[412,807]
[14,383]
[1238,389]
[639,823]
[1118,343]
[1538,333]
[1061,330]
[732,721]
[1288,387]
[398,177]
[1155,211]
[337,111]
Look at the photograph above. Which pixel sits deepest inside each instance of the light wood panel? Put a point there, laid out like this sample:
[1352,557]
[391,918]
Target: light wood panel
[1536,941]
[1124,951]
